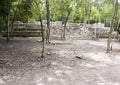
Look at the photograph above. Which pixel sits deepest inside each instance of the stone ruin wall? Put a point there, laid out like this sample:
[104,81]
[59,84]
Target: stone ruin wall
[79,31]
[74,30]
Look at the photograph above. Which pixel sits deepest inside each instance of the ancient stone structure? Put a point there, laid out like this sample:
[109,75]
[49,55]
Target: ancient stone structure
[74,30]
[99,28]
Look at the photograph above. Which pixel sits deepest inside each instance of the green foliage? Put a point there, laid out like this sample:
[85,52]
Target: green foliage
[5,6]
[23,10]
[2,23]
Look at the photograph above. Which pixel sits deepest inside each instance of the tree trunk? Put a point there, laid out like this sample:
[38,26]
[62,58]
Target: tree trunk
[84,11]
[111,27]
[43,38]
[8,29]
[42,29]
[48,22]
[14,16]
[90,12]
[43,44]
[109,36]
[118,30]
[65,23]
[40,19]
[42,32]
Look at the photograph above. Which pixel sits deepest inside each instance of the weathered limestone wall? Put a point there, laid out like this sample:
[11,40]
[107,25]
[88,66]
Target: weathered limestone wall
[74,30]
[77,30]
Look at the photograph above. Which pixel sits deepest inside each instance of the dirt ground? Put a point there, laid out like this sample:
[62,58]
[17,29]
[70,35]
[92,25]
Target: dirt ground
[70,62]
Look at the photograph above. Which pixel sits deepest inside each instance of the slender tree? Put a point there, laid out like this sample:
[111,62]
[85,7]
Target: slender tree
[8,35]
[48,22]
[42,28]
[67,17]
[69,10]
[118,24]
[90,12]
[109,45]
[84,12]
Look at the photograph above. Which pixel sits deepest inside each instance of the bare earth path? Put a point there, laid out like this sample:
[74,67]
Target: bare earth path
[71,62]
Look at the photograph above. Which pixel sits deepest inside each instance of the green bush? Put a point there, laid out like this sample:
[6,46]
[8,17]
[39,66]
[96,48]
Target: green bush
[3,24]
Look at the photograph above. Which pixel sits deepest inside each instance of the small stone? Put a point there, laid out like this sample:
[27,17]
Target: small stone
[48,53]
[78,57]
[38,41]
